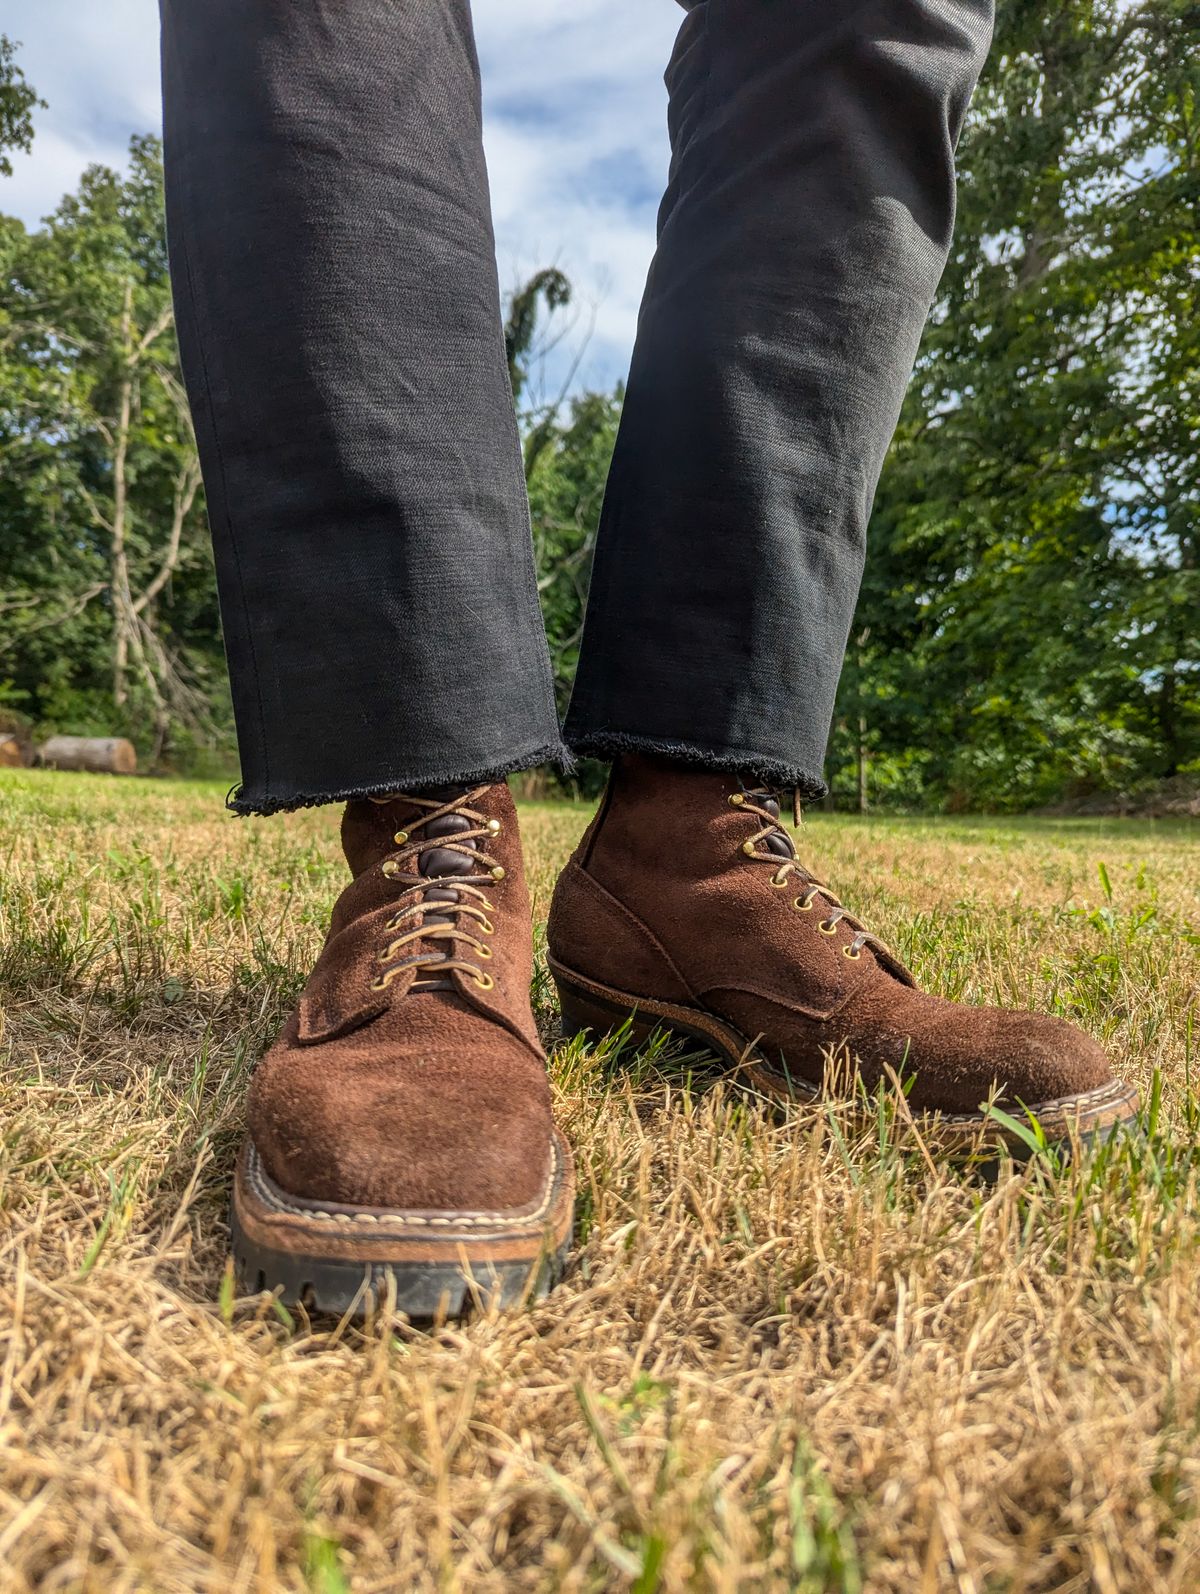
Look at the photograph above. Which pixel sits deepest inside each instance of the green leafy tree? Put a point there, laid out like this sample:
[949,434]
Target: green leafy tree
[18,101]
[568,445]
[566,490]
[549,288]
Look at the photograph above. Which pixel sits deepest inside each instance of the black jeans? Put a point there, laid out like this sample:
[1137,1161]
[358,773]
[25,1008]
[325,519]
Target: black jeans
[339,323]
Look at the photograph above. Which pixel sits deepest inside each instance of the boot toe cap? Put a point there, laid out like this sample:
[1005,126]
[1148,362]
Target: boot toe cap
[1016,1058]
[1044,1059]
[443,1131]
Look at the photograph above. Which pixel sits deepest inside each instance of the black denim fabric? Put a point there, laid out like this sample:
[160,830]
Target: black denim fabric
[338,310]
[337,299]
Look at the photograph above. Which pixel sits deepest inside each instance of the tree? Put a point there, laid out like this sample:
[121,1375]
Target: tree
[566,490]
[101,531]
[17,104]
[568,445]
[550,287]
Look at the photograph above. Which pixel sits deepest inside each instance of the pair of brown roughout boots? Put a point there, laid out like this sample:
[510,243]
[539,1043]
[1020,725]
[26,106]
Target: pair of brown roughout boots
[401,1128]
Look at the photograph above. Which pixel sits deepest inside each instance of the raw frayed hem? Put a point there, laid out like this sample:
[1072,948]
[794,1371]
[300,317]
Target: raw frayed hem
[771,772]
[552,753]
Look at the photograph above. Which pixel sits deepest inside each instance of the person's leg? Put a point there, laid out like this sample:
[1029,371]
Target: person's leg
[331,251]
[802,236]
[339,323]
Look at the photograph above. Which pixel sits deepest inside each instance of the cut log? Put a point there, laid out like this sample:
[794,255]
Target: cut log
[12,753]
[100,755]
[14,732]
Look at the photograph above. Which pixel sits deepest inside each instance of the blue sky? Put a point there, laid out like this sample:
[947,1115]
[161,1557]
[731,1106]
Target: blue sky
[575,128]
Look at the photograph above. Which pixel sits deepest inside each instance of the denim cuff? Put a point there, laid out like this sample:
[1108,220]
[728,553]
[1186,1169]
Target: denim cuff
[245,801]
[772,772]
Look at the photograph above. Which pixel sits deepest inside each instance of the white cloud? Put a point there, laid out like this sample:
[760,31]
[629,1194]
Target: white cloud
[575,132]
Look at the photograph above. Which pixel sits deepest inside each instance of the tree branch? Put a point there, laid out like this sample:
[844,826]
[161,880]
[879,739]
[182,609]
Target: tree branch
[186,488]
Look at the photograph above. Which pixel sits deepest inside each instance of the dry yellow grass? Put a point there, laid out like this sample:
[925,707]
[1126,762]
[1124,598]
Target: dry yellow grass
[786,1356]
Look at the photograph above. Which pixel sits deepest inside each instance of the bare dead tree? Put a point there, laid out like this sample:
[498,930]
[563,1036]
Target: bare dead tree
[138,649]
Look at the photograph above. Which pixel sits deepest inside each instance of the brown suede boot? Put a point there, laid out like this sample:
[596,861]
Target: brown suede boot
[686,906]
[401,1124]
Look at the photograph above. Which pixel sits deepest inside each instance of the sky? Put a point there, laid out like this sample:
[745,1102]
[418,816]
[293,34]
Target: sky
[575,129]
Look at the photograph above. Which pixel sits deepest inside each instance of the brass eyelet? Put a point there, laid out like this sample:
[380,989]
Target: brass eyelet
[390,867]
[853,956]
[499,872]
[400,837]
[494,826]
[379,985]
[484,981]
[486,926]
[802,905]
[779,884]
[749,849]
[826,928]
[483,951]
[737,799]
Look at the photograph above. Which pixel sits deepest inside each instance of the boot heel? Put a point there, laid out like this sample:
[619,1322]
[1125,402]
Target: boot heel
[583,1015]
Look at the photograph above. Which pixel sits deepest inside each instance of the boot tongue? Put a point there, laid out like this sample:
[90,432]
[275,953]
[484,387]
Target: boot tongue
[779,841]
[369,828]
[369,832]
[442,862]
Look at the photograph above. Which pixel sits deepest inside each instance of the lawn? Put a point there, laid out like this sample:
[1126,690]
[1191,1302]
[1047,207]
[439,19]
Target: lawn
[795,1354]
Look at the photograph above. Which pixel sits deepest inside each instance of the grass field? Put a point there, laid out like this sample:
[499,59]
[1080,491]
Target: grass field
[797,1355]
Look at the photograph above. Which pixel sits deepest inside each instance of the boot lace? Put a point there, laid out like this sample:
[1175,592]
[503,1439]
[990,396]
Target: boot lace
[451,925]
[788,868]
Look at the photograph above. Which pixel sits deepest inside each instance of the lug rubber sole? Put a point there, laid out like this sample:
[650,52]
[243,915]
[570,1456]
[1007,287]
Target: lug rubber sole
[429,1265]
[590,1007]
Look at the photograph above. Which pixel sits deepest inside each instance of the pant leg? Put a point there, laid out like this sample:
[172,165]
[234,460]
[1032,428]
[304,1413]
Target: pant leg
[803,232]
[339,324]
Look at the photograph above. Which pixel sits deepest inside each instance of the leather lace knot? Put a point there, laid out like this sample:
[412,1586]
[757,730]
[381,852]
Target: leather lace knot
[441,901]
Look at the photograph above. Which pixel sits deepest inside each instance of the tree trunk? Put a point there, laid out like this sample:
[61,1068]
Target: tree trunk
[122,600]
[862,764]
[861,641]
[1168,721]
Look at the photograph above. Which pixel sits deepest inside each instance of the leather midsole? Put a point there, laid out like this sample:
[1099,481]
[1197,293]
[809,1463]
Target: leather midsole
[1107,1104]
[271,1217]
